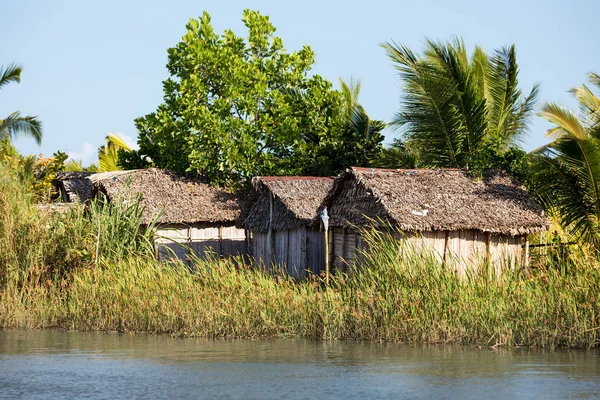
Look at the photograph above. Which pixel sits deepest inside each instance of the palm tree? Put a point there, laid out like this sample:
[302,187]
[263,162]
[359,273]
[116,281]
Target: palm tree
[360,130]
[108,154]
[566,172]
[459,111]
[15,125]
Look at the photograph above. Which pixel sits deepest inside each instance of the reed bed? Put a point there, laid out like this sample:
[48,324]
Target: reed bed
[96,271]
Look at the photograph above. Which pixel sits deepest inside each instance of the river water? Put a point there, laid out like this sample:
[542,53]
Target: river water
[67,365]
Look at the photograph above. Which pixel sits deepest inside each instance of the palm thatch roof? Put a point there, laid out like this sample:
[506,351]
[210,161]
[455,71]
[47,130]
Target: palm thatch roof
[296,201]
[73,187]
[167,198]
[431,200]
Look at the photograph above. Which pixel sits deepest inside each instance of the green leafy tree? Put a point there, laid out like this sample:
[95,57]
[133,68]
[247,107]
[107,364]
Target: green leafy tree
[234,108]
[16,125]
[566,172]
[458,111]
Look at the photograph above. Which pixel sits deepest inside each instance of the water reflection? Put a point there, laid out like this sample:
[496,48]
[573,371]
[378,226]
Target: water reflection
[41,364]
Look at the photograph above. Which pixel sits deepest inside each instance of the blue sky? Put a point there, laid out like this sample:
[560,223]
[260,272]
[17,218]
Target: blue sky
[93,67]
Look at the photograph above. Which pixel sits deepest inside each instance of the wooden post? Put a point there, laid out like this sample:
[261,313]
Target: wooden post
[342,265]
[270,240]
[488,250]
[220,240]
[526,260]
[304,246]
[189,250]
[446,237]
[327,256]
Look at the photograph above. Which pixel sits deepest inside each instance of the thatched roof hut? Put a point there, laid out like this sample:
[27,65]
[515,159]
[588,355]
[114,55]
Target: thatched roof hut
[296,201]
[168,198]
[192,216]
[280,221]
[434,200]
[445,210]
[73,187]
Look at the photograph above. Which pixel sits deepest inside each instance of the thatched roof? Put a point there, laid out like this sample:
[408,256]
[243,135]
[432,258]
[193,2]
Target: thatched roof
[430,200]
[296,201]
[168,198]
[73,187]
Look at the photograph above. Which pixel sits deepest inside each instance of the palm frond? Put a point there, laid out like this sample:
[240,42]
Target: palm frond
[508,112]
[589,105]
[117,141]
[564,119]
[10,74]
[594,79]
[108,154]
[17,126]
[557,188]
[350,90]
[479,68]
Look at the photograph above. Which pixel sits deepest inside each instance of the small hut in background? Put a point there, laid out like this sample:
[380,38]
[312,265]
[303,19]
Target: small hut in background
[280,223]
[72,187]
[190,214]
[448,212]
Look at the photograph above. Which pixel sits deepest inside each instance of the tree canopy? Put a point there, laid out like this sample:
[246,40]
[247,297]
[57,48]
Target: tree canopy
[238,107]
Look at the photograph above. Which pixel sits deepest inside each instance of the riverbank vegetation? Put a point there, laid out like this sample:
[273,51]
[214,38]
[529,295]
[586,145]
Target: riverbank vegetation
[97,271]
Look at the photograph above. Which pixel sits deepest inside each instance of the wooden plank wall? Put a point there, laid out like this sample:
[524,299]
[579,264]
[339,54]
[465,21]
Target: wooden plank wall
[295,251]
[466,250]
[505,251]
[315,249]
[202,239]
[463,250]
[260,248]
[172,242]
[346,245]
[434,243]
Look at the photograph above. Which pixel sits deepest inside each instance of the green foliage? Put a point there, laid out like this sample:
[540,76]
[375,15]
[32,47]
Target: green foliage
[399,155]
[566,172]
[51,241]
[16,125]
[34,172]
[108,154]
[74,166]
[234,108]
[460,112]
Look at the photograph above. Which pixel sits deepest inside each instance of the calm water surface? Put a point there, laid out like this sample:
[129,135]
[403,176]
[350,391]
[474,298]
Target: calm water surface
[56,364]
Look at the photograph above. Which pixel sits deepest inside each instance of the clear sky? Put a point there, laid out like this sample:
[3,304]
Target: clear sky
[94,66]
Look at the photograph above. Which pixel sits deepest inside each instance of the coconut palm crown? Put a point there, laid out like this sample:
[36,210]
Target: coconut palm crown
[458,111]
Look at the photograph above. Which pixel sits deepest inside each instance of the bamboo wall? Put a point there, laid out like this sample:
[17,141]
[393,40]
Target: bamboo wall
[464,250]
[176,241]
[294,251]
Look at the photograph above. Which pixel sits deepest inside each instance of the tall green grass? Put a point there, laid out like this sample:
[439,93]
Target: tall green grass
[96,271]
